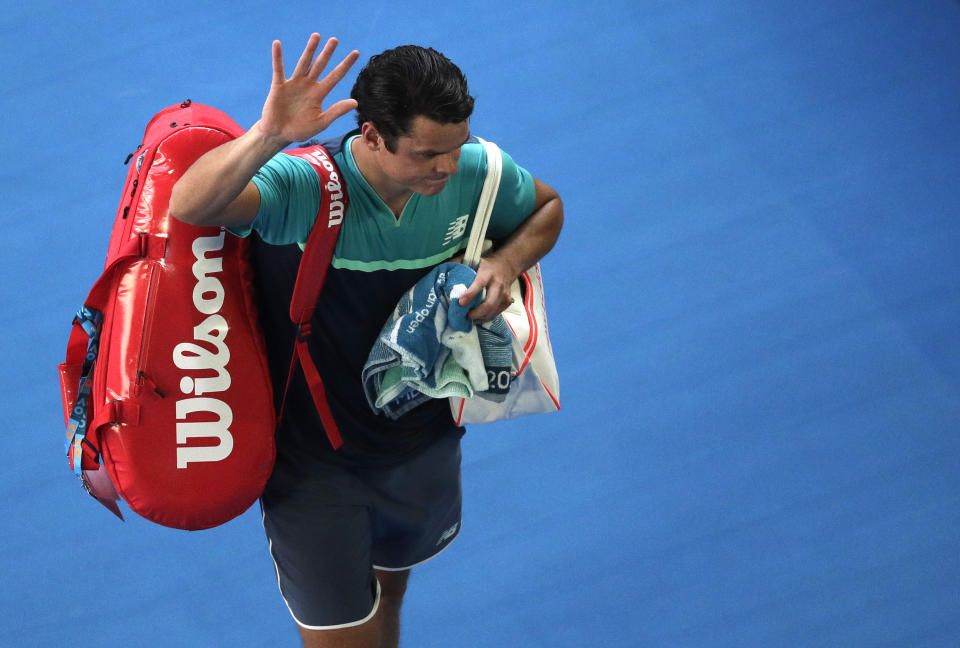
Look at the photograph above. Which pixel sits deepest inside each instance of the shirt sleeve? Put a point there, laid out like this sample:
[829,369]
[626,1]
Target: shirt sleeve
[515,199]
[289,200]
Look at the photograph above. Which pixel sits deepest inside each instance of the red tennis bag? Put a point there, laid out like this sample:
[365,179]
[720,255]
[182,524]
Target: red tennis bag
[166,392]
[165,384]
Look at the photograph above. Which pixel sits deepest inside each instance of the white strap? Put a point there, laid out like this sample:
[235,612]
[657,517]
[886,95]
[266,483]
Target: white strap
[488,196]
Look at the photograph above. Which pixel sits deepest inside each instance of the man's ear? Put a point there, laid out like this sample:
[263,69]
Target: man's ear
[370,136]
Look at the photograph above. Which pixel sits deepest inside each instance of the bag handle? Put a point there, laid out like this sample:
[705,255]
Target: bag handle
[488,196]
[311,275]
[323,235]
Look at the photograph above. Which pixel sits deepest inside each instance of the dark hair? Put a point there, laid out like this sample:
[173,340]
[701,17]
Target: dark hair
[409,81]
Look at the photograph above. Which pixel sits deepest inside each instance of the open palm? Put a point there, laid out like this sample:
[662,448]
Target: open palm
[294,108]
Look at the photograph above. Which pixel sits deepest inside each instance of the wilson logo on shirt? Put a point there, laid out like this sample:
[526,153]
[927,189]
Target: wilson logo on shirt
[457,229]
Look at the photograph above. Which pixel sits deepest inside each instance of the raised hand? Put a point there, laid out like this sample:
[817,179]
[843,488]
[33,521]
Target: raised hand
[294,109]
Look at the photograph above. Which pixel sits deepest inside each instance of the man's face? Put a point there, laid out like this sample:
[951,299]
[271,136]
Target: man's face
[425,159]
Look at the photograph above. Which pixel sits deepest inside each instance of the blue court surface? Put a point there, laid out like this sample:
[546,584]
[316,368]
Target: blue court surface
[755,306]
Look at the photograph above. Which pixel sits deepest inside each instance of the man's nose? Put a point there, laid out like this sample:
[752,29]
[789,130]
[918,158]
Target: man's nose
[447,164]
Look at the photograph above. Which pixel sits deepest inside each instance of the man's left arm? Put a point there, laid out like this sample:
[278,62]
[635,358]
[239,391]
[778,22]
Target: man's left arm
[529,243]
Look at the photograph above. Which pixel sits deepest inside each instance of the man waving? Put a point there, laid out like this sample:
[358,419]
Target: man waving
[346,526]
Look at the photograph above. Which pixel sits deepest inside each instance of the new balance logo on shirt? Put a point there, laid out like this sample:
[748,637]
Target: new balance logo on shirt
[457,229]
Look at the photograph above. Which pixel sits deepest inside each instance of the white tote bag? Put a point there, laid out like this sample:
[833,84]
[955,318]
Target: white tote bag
[535,386]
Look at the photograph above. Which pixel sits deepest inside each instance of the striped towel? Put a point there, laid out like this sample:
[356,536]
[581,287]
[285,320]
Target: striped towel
[428,348]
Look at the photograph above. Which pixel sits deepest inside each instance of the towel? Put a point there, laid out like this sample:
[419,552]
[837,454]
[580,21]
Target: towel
[429,348]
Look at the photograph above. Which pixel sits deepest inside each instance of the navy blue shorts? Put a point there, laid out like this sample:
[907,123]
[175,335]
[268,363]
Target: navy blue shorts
[329,529]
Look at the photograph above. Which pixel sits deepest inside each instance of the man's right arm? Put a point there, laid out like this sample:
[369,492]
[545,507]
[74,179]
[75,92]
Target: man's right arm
[217,189]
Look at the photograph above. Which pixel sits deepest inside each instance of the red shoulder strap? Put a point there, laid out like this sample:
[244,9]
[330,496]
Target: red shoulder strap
[310,277]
